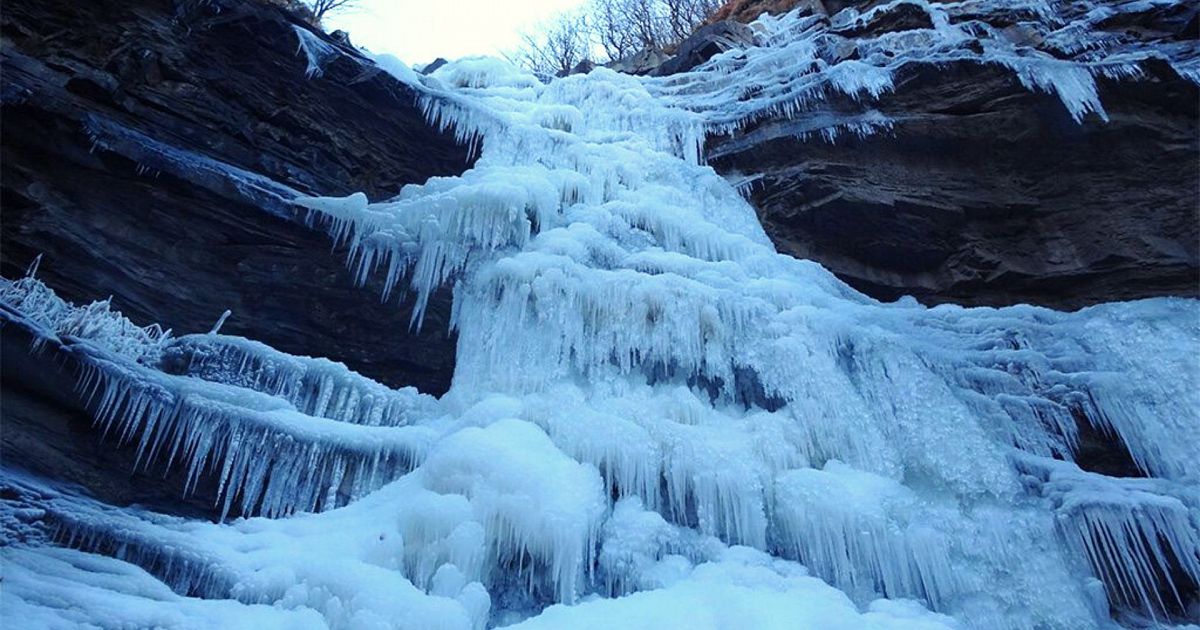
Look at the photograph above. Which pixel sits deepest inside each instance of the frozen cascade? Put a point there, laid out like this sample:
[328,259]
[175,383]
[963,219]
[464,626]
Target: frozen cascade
[317,387]
[655,418]
[269,457]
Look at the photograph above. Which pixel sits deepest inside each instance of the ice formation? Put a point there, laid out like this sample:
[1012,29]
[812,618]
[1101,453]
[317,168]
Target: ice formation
[655,419]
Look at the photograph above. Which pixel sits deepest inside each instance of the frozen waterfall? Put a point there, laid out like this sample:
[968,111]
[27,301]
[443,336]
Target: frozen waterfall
[656,420]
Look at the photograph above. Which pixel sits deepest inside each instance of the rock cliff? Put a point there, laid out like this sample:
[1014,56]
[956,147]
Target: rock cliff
[984,192]
[149,148]
[148,151]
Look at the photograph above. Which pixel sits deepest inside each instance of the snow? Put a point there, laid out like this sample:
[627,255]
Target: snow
[532,499]
[743,589]
[60,588]
[655,419]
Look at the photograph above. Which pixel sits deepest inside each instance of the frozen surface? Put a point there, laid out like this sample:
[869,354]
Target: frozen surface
[656,420]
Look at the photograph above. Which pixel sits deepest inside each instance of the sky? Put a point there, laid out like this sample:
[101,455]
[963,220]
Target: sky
[419,31]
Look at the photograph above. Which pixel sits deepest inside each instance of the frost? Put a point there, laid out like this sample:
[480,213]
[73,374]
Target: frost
[33,304]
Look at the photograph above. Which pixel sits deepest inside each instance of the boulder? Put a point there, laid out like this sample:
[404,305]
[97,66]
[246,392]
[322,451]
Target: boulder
[643,62]
[434,65]
[707,42]
[583,67]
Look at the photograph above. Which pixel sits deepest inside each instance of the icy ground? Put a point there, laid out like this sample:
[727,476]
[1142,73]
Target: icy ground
[656,420]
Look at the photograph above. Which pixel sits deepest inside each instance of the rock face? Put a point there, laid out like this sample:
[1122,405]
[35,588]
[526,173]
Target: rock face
[984,192]
[48,431]
[708,41]
[642,62]
[149,151]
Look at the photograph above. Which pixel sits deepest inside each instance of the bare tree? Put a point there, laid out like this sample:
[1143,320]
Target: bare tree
[618,28]
[320,8]
[623,27]
[611,29]
[683,16]
[645,19]
[555,47]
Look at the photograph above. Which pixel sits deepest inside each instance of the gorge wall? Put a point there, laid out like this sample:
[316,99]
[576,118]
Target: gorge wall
[984,192]
[133,133]
[133,138]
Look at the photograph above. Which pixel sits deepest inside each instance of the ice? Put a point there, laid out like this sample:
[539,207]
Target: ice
[742,589]
[316,387]
[1073,84]
[30,303]
[532,499]
[1138,535]
[857,529]
[804,59]
[42,588]
[655,418]
[271,458]
[339,569]
[317,52]
[395,67]
[225,180]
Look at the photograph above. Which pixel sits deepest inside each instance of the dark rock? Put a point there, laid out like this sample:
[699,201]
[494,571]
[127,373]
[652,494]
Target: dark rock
[583,67]
[48,432]
[747,11]
[640,63]
[844,50]
[986,193]
[434,65]
[902,17]
[1177,20]
[707,42]
[151,156]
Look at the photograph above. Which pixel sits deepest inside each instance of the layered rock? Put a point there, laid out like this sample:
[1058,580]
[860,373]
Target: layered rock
[708,41]
[150,152]
[982,191]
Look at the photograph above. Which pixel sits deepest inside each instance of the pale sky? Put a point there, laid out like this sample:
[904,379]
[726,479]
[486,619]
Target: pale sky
[419,31]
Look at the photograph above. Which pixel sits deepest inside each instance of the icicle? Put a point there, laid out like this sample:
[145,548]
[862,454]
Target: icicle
[862,532]
[1135,533]
[316,387]
[317,52]
[631,346]
[31,271]
[268,458]
[220,322]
